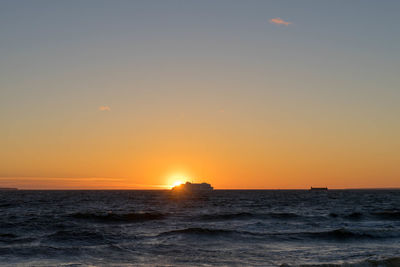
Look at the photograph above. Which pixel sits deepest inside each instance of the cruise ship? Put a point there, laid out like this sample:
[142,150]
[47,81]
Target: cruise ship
[193,188]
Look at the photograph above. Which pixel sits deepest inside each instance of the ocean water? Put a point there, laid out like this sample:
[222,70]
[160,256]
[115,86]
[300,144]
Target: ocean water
[231,228]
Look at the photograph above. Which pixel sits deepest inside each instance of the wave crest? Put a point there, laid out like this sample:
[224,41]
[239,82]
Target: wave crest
[389,262]
[247,215]
[199,231]
[387,215]
[118,217]
[341,234]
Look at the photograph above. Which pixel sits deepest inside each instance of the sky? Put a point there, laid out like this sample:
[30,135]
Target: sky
[240,94]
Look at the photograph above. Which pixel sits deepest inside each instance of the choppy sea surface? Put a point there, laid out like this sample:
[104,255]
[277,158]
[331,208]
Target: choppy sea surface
[225,227]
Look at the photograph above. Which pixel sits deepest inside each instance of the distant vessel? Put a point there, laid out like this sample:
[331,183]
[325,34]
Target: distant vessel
[193,188]
[7,188]
[319,188]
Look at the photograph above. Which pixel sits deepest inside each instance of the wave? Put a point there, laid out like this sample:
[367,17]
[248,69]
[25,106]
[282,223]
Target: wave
[119,217]
[389,262]
[7,235]
[282,215]
[9,238]
[341,234]
[387,215]
[354,216]
[226,216]
[246,215]
[84,236]
[350,216]
[200,231]
[382,215]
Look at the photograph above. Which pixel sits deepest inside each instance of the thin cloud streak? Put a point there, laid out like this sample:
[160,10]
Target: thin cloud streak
[74,183]
[279,21]
[104,108]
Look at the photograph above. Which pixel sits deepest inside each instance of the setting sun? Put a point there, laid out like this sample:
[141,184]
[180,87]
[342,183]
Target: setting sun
[176,183]
[175,179]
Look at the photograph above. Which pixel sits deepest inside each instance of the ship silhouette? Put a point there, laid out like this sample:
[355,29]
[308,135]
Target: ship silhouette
[193,188]
[8,188]
[319,188]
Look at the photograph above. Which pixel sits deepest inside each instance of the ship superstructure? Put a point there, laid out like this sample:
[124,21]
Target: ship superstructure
[193,188]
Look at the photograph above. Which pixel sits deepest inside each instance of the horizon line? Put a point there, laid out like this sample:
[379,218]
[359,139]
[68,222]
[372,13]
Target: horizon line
[167,189]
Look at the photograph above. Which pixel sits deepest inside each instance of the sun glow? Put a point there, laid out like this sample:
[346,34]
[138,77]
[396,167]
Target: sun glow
[176,183]
[175,180]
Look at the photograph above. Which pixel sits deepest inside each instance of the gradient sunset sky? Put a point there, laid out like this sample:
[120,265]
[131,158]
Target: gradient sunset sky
[241,94]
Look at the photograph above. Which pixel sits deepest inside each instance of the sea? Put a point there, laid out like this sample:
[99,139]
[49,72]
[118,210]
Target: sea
[223,228]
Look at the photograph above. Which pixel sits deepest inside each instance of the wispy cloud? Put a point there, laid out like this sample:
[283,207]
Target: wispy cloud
[104,108]
[74,183]
[279,21]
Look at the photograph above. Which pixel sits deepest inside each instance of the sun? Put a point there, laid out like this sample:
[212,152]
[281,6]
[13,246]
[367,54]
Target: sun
[175,179]
[176,183]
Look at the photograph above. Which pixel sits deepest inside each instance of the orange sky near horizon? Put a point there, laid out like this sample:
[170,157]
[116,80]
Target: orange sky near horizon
[227,149]
[223,151]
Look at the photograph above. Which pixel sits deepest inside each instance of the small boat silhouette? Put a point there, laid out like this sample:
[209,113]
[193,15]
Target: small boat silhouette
[8,188]
[319,188]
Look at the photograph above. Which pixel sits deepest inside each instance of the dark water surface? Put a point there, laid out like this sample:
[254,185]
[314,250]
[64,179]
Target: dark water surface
[242,228]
